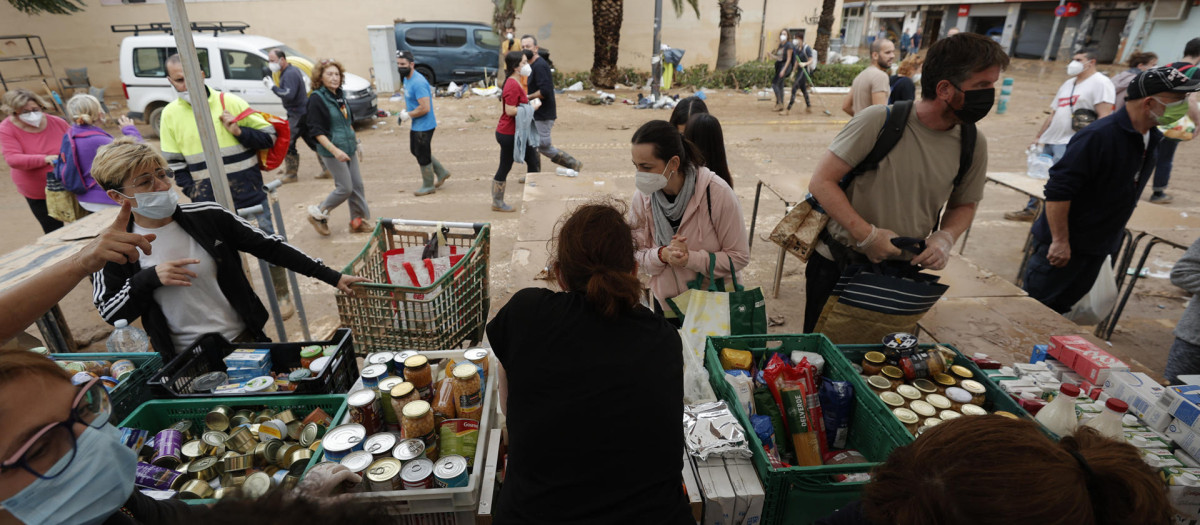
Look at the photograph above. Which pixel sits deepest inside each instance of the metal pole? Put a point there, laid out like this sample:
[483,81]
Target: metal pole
[277,216]
[656,62]
[1053,31]
[268,284]
[762,32]
[198,97]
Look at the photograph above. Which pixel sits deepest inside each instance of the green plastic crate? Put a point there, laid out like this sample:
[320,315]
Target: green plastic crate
[133,391]
[161,413]
[997,399]
[804,494]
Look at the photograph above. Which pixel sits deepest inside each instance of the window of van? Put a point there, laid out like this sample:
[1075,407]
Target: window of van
[486,38]
[240,65]
[151,62]
[453,37]
[421,37]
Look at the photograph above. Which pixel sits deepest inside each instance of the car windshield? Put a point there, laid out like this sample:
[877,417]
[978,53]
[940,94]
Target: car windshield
[488,39]
[289,51]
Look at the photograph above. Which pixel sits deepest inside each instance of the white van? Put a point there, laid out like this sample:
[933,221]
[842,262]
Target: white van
[233,63]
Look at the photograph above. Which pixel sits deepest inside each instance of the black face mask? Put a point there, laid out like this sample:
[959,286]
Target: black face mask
[977,103]
[404,72]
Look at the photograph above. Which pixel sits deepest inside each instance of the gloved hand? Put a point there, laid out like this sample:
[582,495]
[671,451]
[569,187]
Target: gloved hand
[324,479]
[268,83]
[404,116]
[937,251]
[535,103]
[878,246]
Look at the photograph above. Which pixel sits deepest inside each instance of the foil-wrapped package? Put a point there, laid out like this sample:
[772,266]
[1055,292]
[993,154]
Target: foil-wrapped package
[710,428]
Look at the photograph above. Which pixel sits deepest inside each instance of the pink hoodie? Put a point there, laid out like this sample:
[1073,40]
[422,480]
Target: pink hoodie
[25,153]
[722,233]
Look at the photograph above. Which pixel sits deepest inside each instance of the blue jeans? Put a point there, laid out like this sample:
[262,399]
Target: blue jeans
[1184,359]
[1166,158]
[263,220]
[1056,151]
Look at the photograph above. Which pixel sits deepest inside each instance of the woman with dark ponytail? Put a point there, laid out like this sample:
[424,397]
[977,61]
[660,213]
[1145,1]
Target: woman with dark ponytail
[681,213]
[992,470]
[576,362]
[513,99]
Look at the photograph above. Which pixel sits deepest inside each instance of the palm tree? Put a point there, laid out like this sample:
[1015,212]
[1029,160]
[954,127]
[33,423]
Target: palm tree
[824,29]
[731,14]
[505,14]
[54,7]
[606,34]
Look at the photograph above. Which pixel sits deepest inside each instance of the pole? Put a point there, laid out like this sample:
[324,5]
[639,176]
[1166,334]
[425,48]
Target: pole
[656,60]
[1053,31]
[762,32]
[198,97]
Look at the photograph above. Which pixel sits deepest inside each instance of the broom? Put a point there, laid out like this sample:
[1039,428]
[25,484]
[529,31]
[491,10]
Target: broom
[818,97]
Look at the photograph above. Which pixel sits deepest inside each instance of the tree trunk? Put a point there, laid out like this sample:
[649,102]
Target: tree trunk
[824,29]
[731,14]
[606,28]
[503,16]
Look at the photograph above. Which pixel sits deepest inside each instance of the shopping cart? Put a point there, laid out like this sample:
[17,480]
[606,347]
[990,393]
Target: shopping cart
[444,314]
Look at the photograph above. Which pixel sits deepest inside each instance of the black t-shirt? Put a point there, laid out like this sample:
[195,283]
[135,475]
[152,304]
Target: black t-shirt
[595,407]
[140,509]
[543,80]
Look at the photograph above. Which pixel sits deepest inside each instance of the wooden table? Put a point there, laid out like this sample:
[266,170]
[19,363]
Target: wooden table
[46,251]
[547,196]
[791,188]
[966,279]
[1005,328]
[528,261]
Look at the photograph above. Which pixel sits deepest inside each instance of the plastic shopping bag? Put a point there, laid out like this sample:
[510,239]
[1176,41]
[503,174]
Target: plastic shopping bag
[1099,301]
[696,388]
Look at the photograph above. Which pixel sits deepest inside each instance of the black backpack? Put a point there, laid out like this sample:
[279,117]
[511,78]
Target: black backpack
[893,130]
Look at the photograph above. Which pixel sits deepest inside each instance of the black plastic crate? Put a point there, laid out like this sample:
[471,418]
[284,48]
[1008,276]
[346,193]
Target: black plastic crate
[207,354]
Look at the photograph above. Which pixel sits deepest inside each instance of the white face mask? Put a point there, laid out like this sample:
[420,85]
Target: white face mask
[183,95]
[508,36]
[156,204]
[648,183]
[274,67]
[796,43]
[783,38]
[526,70]
[916,78]
[33,118]
[1074,68]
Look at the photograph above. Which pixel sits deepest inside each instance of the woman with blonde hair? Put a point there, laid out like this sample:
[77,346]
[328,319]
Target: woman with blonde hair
[29,141]
[904,82]
[331,125]
[79,147]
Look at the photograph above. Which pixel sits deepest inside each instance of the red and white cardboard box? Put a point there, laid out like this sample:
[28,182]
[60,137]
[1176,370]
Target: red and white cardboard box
[1062,348]
[1091,362]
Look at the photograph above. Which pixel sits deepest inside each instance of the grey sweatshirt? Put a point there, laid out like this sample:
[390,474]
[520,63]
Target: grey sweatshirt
[1186,275]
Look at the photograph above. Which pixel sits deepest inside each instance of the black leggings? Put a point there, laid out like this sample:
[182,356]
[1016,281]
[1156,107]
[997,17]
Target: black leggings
[420,144]
[800,84]
[42,214]
[533,163]
[779,82]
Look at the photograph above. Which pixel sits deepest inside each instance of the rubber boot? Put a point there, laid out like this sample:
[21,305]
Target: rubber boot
[279,278]
[440,171]
[324,171]
[565,160]
[291,166]
[427,176]
[498,197]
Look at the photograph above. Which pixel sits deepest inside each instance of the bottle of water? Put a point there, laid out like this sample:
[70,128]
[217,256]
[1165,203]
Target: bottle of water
[1038,164]
[127,339]
[567,172]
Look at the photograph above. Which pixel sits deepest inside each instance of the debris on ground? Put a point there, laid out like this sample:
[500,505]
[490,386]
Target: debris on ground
[578,86]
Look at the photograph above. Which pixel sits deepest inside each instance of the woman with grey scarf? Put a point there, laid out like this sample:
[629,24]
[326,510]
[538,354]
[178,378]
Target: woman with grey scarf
[681,214]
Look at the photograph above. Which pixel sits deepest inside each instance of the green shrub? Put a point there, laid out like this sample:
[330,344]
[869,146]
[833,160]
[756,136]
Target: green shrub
[745,75]
[837,75]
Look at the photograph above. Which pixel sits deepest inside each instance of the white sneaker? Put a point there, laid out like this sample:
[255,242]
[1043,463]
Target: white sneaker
[316,213]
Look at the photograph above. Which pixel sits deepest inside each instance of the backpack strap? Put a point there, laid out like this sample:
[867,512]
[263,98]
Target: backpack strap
[966,153]
[889,135]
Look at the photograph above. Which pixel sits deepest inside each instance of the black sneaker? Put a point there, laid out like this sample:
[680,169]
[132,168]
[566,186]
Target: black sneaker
[1159,197]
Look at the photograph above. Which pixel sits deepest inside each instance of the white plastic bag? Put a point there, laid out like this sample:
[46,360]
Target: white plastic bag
[696,388]
[1099,301]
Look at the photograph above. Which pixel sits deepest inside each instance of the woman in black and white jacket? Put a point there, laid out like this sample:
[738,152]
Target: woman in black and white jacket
[191,282]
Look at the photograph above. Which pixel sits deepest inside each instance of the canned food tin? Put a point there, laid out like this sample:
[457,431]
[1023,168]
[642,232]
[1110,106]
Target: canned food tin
[310,434]
[212,443]
[879,384]
[272,452]
[184,427]
[182,468]
[365,410]
[358,461]
[231,480]
[167,448]
[450,472]
[261,384]
[297,459]
[398,362]
[291,480]
[479,356]
[371,374]
[238,462]
[909,392]
[158,478]
[274,428]
[242,417]
[191,449]
[976,389]
[459,437]
[319,417]
[205,469]
[409,450]
[384,475]
[318,365]
[300,374]
[287,416]
[218,418]
[973,410]
[256,485]
[122,369]
[284,454]
[342,440]
[308,354]
[209,382]
[417,474]
[264,416]
[381,444]
[293,430]
[195,489]
[381,358]
[241,440]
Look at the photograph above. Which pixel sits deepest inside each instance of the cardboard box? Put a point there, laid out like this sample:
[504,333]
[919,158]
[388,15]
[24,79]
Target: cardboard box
[751,488]
[1039,354]
[720,503]
[691,487]
[1142,394]
[1062,348]
[1184,437]
[1095,364]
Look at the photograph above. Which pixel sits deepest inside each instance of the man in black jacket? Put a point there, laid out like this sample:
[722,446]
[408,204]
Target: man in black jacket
[295,101]
[541,87]
[192,282]
[1093,190]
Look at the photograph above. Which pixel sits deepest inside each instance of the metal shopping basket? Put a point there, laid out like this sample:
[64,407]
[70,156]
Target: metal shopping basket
[442,315]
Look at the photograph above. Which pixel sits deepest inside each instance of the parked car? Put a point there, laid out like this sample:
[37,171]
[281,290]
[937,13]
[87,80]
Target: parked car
[233,63]
[445,52]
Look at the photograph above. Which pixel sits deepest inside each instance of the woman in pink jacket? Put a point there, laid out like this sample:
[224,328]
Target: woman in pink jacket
[29,140]
[681,213]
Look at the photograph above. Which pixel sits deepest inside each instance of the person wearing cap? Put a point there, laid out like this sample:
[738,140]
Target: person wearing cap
[1188,65]
[418,103]
[1093,190]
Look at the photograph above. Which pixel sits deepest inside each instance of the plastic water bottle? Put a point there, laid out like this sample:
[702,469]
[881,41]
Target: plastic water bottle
[127,339]
[567,172]
[1038,164]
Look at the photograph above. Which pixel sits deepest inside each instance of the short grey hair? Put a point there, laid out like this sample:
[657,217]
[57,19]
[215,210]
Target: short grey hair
[531,37]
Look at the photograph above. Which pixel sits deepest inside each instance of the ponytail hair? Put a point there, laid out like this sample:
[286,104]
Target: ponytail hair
[669,142]
[512,61]
[593,252]
[993,470]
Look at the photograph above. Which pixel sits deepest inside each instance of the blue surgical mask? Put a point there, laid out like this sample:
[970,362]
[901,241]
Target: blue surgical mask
[93,487]
[648,183]
[156,204]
